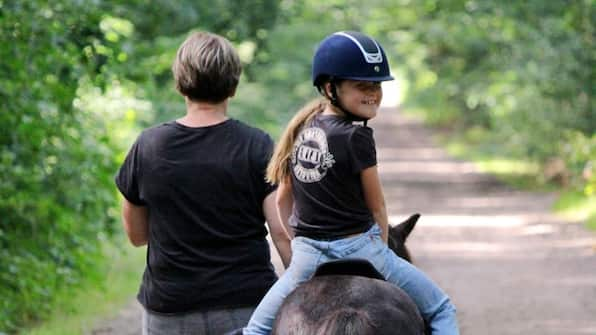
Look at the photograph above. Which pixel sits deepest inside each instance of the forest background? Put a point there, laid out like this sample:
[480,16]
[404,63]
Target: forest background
[508,83]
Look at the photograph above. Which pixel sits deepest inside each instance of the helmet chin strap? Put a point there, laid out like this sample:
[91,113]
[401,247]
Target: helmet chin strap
[334,98]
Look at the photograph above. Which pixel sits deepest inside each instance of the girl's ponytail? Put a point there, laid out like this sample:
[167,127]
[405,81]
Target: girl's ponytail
[279,165]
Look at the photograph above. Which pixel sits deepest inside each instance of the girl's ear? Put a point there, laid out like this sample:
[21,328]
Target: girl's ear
[327,88]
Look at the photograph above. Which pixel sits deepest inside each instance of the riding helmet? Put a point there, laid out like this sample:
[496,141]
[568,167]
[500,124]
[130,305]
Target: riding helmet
[350,55]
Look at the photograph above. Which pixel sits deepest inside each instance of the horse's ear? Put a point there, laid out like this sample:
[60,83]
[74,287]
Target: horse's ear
[403,230]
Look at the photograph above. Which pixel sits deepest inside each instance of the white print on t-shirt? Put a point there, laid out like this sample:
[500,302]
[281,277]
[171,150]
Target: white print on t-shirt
[311,157]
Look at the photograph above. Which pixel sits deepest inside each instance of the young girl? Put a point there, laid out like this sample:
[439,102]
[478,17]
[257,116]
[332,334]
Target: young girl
[329,190]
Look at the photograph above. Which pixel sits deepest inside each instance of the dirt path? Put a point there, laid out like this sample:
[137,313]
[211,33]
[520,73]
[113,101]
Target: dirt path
[509,266]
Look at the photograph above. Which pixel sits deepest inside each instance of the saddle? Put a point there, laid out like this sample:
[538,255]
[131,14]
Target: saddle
[348,267]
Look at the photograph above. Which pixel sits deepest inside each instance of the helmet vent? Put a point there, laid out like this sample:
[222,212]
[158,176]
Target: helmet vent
[369,47]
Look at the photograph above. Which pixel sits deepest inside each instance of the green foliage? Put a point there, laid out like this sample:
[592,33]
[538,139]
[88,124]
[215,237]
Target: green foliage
[524,71]
[276,55]
[579,152]
[153,45]
[472,145]
[575,205]
[72,313]
[283,82]
[56,160]
[74,80]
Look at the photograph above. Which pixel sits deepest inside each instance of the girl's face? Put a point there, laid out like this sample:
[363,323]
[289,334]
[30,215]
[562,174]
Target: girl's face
[362,98]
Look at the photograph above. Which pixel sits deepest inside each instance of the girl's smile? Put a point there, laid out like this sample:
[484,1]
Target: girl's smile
[361,98]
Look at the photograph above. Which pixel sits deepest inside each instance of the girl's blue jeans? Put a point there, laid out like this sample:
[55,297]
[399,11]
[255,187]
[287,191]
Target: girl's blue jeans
[307,254]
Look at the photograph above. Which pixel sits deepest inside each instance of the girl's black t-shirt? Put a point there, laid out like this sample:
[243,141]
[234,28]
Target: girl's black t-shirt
[327,158]
[204,188]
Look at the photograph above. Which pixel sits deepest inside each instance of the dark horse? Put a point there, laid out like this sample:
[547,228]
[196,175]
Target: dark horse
[345,298]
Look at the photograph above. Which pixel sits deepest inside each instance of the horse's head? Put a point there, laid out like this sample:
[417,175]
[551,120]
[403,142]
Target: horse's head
[399,234]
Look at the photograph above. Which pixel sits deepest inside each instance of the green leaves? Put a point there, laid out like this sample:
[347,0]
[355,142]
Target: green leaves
[55,169]
[74,81]
[520,70]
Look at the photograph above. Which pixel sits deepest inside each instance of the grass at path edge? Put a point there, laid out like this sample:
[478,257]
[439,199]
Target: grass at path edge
[78,312]
[572,205]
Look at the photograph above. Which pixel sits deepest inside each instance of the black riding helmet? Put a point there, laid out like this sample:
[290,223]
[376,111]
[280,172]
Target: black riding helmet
[348,55]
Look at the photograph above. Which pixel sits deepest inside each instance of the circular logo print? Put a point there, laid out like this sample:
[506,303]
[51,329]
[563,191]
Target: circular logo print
[311,157]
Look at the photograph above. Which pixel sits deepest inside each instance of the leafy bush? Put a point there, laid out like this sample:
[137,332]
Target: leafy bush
[523,71]
[73,83]
[56,160]
[579,151]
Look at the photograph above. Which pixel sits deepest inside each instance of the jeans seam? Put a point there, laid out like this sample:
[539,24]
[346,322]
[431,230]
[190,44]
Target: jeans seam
[299,246]
[357,245]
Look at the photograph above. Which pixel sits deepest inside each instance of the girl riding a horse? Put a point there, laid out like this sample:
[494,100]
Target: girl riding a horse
[329,190]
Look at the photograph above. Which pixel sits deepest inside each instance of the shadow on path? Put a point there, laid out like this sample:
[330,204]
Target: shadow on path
[508,264]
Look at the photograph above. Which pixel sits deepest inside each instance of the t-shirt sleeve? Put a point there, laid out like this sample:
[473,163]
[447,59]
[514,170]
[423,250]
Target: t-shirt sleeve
[362,147]
[127,178]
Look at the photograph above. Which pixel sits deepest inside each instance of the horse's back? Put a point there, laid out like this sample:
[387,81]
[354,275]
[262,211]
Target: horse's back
[347,305]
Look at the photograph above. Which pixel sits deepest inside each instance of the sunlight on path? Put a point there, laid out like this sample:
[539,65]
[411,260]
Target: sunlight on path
[392,93]
[478,221]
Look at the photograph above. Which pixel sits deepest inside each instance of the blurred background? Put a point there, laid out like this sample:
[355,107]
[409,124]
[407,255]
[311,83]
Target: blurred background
[509,84]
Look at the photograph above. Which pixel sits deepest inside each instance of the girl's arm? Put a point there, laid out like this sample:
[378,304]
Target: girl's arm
[285,203]
[135,220]
[280,237]
[375,200]
[434,305]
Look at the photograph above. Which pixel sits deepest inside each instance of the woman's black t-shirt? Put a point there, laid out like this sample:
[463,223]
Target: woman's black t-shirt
[326,161]
[204,189]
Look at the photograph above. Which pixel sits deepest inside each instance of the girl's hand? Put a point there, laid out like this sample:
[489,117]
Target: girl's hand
[375,200]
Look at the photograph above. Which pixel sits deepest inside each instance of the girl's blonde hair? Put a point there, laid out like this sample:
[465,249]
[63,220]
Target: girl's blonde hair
[279,165]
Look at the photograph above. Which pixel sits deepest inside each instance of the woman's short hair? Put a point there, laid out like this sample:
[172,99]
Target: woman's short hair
[207,68]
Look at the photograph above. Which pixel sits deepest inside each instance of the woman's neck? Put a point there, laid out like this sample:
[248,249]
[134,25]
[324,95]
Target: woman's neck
[203,114]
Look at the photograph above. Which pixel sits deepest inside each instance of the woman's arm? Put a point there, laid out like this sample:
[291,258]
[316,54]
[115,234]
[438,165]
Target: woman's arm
[375,200]
[135,222]
[279,236]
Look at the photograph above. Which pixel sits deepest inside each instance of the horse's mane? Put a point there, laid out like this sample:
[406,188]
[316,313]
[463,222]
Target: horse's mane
[347,321]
